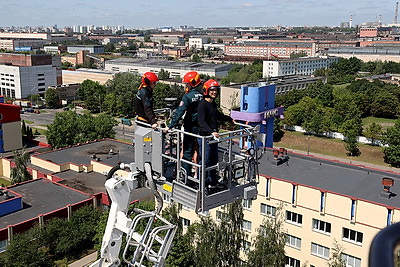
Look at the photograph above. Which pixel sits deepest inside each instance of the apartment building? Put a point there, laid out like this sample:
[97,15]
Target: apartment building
[269,49]
[321,202]
[300,66]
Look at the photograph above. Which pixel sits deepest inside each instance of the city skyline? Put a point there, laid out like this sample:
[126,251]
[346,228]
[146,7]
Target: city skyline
[157,13]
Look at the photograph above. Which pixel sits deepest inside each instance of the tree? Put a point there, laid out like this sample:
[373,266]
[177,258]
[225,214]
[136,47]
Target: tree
[269,244]
[163,74]
[69,128]
[373,131]
[66,65]
[23,128]
[220,244]
[20,173]
[295,55]
[51,98]
[124,87]
[384,104]
[351,129]
[92,93]
[392,139]
[26,250]
[336,259]
[196,58]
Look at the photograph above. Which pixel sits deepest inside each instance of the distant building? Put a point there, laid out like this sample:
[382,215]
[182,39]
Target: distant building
[22,75]
[300,66]
[10,127]
[93,49]
[176,69]
[266,50]
[197,42]
[79,75]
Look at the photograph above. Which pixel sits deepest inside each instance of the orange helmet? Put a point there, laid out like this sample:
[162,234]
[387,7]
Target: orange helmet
[192,78]
[149,77]
[210,84]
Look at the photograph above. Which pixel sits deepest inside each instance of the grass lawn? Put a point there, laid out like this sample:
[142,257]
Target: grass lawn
[385,123]
[41,131]
[4,182]
[330,147]
[28,122]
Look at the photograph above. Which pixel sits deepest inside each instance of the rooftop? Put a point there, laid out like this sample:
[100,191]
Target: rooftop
[346,179]
[169,64]
[83,154]
[40,196]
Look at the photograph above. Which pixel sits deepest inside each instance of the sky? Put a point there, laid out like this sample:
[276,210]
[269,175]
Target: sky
[200,13]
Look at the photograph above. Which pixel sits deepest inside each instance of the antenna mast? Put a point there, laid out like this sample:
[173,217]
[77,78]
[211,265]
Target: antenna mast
[396,12]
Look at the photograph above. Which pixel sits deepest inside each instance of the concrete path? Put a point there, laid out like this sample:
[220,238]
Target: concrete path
[85,261]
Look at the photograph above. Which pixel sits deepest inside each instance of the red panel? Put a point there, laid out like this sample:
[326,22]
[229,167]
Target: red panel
[9,113]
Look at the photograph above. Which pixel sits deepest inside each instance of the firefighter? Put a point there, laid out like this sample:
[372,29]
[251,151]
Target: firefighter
[144,100]
[188,106]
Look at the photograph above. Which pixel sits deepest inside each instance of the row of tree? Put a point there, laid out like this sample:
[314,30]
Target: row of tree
[70,128]
[204,243]
[117,96]
[58,239]
[322,108]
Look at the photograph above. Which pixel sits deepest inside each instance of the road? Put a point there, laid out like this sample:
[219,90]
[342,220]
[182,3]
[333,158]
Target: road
[123,132]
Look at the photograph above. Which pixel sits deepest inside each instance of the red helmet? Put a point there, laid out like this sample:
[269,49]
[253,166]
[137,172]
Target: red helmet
[149,77]
[192,78]
[210,84]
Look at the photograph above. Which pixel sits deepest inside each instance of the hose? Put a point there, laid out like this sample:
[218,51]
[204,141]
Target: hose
[152,185]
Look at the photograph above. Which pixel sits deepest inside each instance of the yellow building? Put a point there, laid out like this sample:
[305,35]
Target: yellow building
[322,202]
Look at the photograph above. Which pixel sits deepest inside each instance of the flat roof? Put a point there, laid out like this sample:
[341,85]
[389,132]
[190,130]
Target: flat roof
[346,179]
[82,154]
[93,182]
[89,183]
[169,64]
[40,196]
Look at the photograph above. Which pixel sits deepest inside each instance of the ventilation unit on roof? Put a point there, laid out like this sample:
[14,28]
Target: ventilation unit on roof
[387,184]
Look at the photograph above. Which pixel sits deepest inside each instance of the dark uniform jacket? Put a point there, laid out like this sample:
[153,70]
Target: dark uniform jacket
[189,104]
[208,117]
[144,105]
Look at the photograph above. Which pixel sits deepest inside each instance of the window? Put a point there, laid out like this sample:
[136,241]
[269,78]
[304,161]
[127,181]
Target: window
[247,204]
[322,207]
[267,187]
[3,245]
[294,217]
[389,217]
[351,261]
[41,84]
[246,246]
[246,225]
[352,236]
[185,222]
[292,262]
[321,226]
[293,241]
[353,210]
[267,210]
[319,250]
[294,194]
